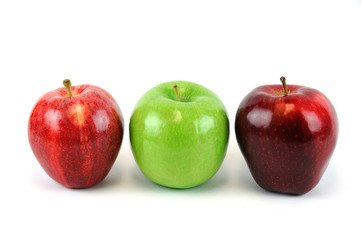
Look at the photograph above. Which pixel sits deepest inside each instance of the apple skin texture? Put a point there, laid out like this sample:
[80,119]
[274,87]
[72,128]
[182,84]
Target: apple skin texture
[287,141]
[76,139]
[179,144]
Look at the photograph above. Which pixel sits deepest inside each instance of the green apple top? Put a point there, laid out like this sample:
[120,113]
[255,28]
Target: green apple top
[179,134]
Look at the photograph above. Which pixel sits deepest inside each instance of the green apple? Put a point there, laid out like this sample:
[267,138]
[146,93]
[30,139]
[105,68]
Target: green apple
[179,134]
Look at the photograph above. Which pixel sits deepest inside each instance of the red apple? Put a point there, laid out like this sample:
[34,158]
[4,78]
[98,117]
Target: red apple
[76,133]
[287,136]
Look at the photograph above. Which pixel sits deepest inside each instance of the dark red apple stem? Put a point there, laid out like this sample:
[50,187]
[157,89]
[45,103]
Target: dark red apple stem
[176,92]
[67,84]
[283,80]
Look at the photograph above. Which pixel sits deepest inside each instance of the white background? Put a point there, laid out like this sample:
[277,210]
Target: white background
[128,47]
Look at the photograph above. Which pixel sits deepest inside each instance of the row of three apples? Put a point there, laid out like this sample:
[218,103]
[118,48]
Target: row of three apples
[179,135]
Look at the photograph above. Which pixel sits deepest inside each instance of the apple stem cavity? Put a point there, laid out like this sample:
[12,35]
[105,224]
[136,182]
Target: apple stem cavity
[283,80]
[67,84]
[176,92]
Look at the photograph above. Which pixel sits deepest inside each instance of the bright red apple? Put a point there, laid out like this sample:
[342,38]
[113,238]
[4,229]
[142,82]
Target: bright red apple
[76,133]
[287,136]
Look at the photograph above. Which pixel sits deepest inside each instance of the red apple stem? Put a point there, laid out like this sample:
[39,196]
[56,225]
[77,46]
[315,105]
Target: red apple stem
[67,84]
[283,80]
[176,92]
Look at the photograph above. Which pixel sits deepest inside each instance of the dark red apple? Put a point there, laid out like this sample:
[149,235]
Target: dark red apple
[76,133]
[287,135]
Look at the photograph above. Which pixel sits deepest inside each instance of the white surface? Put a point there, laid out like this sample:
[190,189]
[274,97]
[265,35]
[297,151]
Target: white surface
[128,47]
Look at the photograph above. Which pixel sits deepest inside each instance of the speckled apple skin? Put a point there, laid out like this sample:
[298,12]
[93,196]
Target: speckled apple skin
[76,139]
[179,144]
[287,141]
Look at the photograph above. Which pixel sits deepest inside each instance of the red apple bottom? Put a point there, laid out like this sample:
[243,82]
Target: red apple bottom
[80,159]
[287,167]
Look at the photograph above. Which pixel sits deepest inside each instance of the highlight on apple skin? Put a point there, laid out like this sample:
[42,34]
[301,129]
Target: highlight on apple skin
[179,134]
[75,133]
[287,135]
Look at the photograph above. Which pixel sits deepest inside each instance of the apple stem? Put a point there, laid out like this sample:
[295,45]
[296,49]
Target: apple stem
[67,84]
[176,92]
[283,80]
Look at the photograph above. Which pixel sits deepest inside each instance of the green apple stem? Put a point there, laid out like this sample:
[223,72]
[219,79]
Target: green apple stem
[67,84]
[176,92]
[283,80]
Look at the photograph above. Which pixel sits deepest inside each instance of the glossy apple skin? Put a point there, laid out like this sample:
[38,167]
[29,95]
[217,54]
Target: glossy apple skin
[76,139]
[287,141]
[179,144]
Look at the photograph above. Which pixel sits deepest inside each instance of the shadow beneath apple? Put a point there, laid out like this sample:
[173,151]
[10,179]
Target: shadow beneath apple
[144,183]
